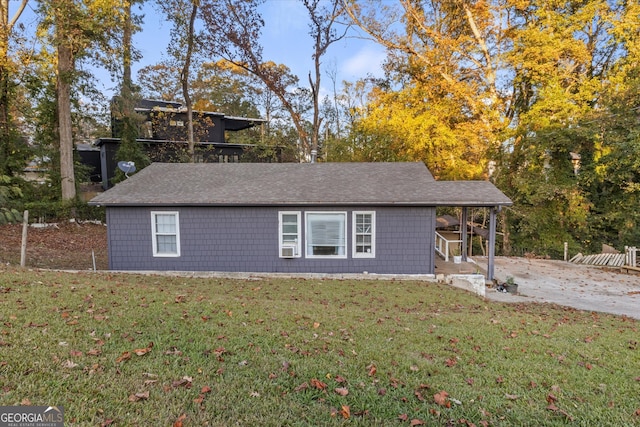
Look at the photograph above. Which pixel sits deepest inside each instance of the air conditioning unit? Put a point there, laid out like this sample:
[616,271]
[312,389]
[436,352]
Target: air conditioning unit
[288,252]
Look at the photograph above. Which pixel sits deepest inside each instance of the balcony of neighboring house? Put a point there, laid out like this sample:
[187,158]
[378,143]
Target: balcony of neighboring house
[163,137]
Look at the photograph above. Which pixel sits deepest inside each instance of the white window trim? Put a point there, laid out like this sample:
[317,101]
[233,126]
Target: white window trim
[306,235]
[354,241]
[154,234]
[281,243]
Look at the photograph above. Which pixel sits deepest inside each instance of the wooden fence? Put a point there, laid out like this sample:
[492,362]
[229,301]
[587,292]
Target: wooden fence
[626,260]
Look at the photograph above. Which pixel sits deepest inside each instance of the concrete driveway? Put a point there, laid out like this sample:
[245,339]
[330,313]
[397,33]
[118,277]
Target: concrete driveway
[583,287]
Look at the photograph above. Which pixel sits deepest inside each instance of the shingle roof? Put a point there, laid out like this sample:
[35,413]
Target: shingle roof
[256,184]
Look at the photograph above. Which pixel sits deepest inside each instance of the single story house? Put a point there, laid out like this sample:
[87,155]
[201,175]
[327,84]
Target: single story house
[283,217]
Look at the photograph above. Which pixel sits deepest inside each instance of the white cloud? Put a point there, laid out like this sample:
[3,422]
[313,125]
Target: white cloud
[367,60]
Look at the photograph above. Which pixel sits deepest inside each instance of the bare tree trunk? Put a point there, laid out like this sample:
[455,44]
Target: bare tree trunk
[65,133]
[5,126]
[184,77]
[127,82]
[6,27]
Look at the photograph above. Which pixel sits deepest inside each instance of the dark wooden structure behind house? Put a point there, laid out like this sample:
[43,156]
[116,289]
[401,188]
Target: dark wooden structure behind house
[90,157]
[163,137]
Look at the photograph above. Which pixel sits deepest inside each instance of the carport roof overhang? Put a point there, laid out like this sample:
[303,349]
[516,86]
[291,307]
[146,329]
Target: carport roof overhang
[471,194]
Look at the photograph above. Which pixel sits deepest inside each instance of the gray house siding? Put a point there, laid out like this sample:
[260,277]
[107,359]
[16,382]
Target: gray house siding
[245,239]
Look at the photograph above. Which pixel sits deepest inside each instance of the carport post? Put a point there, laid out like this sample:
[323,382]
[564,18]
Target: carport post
[492,242]
[463,234]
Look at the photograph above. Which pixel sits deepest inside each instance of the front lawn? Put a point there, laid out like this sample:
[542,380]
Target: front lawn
[133,350]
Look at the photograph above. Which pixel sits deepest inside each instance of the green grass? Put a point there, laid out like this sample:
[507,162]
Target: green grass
[273,353]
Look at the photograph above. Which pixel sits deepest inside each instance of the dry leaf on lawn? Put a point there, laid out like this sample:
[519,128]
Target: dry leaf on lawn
[139,396]
[143,351]
[124,356]
[318,384]
[441,398]
[342,391]
[345,412]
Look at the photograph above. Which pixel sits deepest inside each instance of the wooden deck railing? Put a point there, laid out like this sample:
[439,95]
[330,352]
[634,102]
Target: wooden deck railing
[445,247]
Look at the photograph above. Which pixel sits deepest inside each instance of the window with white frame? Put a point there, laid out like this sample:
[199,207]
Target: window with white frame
[165,234]
[289,234]
[326,234]
[364,234]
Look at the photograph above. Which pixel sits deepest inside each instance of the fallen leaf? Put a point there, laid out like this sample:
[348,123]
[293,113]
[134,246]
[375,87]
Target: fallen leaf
[139,396]
[318,384]
[69,364]
[372,369]
[178,422]
[345,412]
[124,356]
[302,387]
[205,389]
[441,399]
[511,396]
[342,391]
[416,422]
[143,351]
[403,417]
[182,382]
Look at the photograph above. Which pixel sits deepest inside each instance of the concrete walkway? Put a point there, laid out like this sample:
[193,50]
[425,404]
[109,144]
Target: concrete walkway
[583,287]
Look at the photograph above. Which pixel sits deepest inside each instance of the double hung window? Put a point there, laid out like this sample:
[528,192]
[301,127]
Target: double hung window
[165,233]
[364,235]
[290,234]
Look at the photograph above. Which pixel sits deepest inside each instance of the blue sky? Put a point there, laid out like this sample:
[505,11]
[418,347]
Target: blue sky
[285,40]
